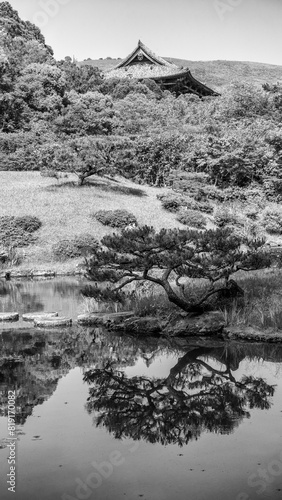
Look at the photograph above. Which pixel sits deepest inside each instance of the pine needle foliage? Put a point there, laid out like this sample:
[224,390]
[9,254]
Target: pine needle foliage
[168,256]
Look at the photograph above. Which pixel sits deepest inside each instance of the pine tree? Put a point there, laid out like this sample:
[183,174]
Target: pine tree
[169,256]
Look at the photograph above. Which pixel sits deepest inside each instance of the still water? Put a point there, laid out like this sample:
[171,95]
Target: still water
[107,417]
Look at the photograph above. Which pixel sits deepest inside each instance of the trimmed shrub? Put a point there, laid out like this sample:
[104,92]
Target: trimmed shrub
[10,256]
[72,248]
[223,216]
[116,218]
[191,183]
[192,218]
[272,221]
[174,201]
[205,207]
[17,231]
[251,212]
[29,223]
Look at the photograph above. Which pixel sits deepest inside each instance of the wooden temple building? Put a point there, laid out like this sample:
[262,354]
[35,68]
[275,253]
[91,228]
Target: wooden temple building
[142,63]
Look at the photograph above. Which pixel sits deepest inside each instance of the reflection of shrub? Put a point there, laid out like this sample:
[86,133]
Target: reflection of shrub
[192,218]
[116,218]
[272,221]
[17,231]
[74,247]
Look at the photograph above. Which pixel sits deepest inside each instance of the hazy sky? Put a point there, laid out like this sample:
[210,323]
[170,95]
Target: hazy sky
[249,30]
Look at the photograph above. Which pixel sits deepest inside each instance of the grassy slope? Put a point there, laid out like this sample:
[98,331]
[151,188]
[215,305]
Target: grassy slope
[217,74]
[65,209]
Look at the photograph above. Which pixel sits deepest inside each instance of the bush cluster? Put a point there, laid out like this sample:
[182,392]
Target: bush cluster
[116,218]
[18,231]
[251,212]
[72,248]
[272,221]
[10,256]
[191,218]
[175,201]
[224,216]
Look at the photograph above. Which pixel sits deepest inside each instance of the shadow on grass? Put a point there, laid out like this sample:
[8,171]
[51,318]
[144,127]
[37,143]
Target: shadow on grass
[63,185]
[111,186]
[116,187]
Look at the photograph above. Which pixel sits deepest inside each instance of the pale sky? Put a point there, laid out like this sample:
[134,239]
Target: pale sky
[241,30]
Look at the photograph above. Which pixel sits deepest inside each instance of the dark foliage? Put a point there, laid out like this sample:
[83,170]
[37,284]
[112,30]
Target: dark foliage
[142,254]
[80,245]
[116,218]
[18,231]
[272,221]
[192,218]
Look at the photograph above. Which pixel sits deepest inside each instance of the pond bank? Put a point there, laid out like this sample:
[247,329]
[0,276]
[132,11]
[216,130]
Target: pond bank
[8,274]
[40,294]
[226,334]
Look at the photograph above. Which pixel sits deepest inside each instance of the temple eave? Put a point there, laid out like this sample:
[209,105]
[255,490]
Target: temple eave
[143,64]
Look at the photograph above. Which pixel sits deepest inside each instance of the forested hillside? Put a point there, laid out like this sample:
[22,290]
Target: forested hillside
[215,74]
[58,117]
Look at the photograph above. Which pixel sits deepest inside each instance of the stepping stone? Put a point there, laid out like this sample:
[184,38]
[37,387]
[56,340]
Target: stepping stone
[39,315]
[9,316]
[53,322]
[44,274]
[103,318]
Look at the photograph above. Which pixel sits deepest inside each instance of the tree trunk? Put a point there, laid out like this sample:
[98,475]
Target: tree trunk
[81,180]
[178,301]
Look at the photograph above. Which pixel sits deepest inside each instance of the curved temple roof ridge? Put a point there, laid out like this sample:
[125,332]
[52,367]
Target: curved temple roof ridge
[145,52]
[142,63]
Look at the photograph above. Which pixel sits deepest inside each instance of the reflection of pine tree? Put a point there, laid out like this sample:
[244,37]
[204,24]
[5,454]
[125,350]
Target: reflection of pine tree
[46,358]
[193,398]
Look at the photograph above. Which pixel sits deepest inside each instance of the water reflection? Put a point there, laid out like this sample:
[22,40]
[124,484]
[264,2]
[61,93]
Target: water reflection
[194,397]
[200,392]
[23,296]
[15,295]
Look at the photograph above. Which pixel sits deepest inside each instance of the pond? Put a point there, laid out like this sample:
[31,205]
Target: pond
[102,416]
[23,296]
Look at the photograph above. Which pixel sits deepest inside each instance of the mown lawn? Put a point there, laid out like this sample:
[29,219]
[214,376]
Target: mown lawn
[65,209]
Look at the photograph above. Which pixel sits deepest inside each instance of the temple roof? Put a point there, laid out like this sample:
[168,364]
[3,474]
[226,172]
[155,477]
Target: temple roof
[141,53]
[142,63]
[143,71]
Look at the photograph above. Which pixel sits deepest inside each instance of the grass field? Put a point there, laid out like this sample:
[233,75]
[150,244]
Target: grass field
[65,209]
